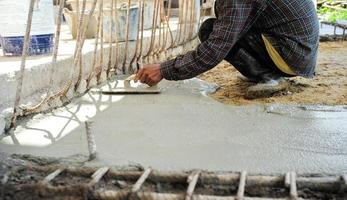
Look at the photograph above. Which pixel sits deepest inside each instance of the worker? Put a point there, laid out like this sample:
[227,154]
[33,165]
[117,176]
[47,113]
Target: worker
[266,41]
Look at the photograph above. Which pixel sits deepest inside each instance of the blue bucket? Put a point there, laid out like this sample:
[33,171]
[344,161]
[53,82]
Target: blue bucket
[13,15]
[39,44]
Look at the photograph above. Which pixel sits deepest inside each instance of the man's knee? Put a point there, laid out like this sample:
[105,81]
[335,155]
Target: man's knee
[206,29]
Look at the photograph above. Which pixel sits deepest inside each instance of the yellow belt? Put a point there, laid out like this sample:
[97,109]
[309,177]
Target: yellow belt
[276,57]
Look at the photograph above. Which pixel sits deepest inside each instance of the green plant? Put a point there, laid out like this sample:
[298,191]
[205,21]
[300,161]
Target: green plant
[332,15]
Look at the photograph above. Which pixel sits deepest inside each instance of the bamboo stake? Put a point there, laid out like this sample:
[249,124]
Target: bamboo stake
[79,26]
[22,66]
[154,28]
[293,187]
[101,61]
[137,186]
[179,26]
[78,15]
[186,6]
[164,27]
[79,46]
[192,20]
[190,13]
[76,55]
[81,43]
[109,67]
[186,22]
[98,175]
[90,140]
[126,37]
[168,30]
[52,175]
[192,180]
[92,71]
[138,34]
[287,180]
[160,13]
[242,185]
[139,59]
[115,67]
[109,194]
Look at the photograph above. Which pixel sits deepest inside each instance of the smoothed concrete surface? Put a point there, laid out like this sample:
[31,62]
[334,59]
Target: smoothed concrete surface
[183,129]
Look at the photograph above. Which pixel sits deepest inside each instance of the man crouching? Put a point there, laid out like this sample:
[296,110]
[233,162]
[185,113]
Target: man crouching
[265,41]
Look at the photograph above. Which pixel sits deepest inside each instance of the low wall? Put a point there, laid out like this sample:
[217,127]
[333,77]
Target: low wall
[37,72]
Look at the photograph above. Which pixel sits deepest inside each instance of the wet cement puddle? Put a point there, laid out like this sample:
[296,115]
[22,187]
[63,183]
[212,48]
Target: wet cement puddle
[308,111]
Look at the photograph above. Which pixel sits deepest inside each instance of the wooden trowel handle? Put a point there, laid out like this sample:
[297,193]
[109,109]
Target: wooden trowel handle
[130,78]
[127,80]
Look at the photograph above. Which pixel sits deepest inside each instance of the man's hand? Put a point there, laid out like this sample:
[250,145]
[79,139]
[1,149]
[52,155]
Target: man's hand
[149,74]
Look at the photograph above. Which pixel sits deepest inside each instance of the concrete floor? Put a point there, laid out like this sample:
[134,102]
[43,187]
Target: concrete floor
[182,129]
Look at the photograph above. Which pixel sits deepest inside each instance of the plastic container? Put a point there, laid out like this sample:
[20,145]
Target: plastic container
[13,15]
[148,12]
[120,21]
[148,15]
[72,20]
[73,3]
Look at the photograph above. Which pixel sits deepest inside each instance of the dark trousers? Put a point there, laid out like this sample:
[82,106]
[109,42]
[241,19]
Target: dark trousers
[249,55]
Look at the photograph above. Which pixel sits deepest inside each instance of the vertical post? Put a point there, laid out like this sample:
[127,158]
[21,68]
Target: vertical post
[192,180]
[91,74]
[115,17]
[139,59]
[242,185]
[293,187]
[90,140]
[109,67]
[126,36]
[101,61]
[22,66]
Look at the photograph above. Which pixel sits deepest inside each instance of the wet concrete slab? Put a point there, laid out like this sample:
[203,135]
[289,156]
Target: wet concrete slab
[182,128]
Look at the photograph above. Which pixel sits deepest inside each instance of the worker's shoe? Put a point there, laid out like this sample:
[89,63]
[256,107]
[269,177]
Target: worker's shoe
[246,79]
[267,88]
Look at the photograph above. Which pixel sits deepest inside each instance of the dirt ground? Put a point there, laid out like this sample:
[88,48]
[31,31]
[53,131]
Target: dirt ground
[328,87]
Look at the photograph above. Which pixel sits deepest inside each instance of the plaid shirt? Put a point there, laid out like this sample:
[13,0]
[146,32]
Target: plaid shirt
[290,25]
